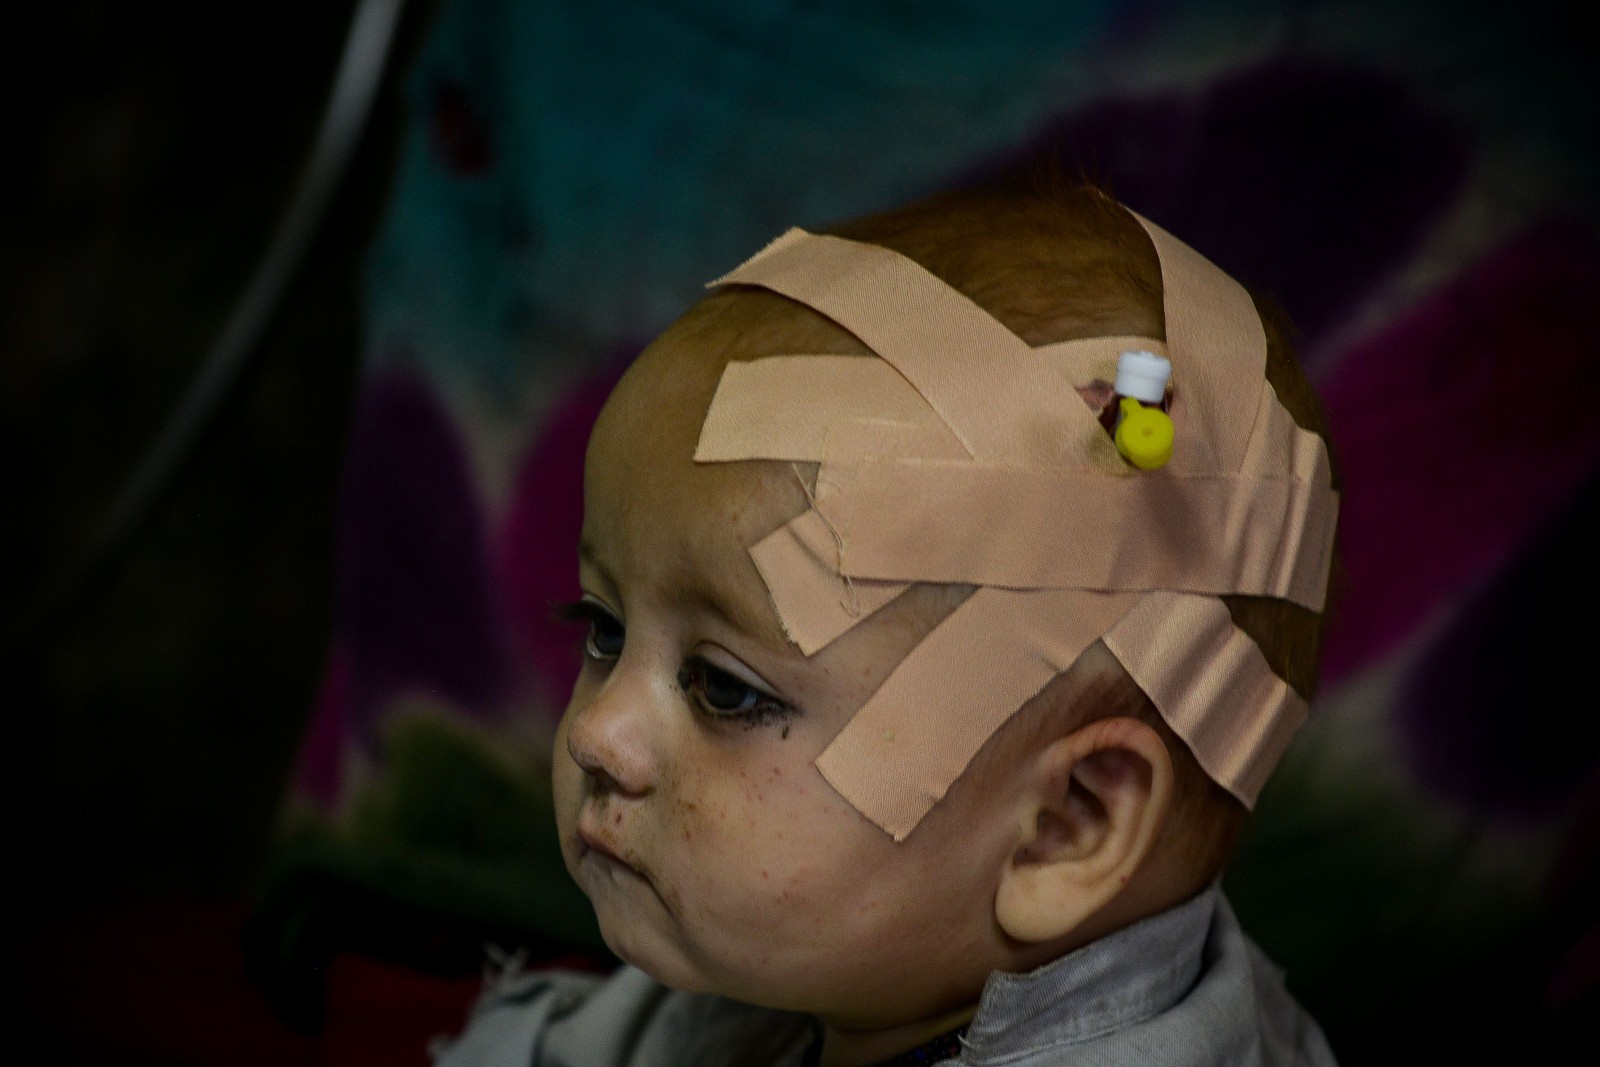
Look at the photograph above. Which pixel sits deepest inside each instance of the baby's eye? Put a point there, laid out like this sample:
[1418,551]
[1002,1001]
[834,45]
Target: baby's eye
[723,695]
[605,637]
[604,640]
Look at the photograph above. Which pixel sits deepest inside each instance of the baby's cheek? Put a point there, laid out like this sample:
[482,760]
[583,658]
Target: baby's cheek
[729,825]
[709,798]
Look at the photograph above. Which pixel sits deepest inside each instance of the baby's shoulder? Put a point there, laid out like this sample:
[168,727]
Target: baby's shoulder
[1266,1026]
[1186,988]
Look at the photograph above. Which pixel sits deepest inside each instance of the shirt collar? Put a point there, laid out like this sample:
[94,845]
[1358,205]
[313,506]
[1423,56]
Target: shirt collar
[1113,983]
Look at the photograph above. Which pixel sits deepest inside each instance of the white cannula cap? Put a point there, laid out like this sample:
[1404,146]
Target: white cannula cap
[1143,376]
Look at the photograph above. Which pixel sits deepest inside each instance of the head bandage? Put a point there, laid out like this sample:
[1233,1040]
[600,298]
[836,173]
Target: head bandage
[963,455]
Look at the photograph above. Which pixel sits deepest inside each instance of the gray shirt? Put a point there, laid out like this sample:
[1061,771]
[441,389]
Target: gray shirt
[1185,988]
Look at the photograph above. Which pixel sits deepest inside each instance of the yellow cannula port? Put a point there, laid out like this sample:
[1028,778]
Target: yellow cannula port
[1144,435]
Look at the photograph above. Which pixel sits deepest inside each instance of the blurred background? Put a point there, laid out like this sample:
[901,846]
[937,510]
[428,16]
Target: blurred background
[307,308]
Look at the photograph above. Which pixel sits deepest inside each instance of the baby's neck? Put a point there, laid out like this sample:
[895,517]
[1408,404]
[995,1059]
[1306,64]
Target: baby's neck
[867,1048]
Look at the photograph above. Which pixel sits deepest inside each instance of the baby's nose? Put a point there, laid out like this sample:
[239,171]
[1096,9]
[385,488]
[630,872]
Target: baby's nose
[608,741]
[601,781]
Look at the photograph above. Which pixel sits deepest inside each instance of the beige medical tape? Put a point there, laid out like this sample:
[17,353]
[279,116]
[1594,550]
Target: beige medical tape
[1213,324]
[1264,538]
[965,456]
[1183,651]
[1005,405]
[1211,684]
[910,521]
[988,657]
[982,379]
[815,603]
[780,407]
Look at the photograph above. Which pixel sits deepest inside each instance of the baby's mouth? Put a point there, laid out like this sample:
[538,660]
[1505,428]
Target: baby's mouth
[597,844]
[601,853]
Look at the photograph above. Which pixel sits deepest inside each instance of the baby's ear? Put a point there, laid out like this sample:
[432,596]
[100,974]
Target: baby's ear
[1088,814]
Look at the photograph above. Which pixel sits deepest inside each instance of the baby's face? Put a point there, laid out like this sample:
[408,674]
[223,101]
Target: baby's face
[690,809]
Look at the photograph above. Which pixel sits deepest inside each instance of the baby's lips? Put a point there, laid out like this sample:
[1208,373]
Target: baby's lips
[594,840]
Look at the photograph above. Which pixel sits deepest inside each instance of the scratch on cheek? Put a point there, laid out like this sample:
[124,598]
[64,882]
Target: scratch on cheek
[691,818]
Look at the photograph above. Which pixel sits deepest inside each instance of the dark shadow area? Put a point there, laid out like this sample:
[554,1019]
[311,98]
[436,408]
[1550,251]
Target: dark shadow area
[154,708]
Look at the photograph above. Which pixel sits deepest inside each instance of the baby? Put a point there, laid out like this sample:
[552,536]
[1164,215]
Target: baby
[916,723]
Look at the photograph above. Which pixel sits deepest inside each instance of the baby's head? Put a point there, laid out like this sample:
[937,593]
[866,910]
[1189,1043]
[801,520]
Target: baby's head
[897,674]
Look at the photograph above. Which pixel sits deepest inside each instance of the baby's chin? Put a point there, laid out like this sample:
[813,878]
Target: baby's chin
[636,943]
[669,963]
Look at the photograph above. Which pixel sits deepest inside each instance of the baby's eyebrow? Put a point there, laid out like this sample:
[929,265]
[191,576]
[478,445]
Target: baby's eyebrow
[593,573]
[699,590]
[737,612]
[744,607]
[591,558]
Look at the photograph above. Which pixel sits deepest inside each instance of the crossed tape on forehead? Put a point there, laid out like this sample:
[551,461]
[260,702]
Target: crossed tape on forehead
[882,521]
[964,455]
